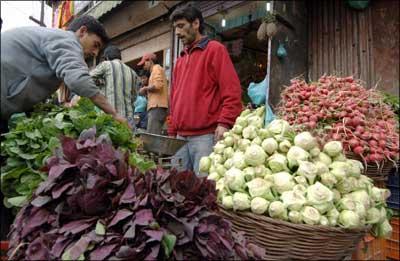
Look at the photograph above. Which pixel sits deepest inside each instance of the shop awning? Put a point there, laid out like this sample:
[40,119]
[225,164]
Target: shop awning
[102,8]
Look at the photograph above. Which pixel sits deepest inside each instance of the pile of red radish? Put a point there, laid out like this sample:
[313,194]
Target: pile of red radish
[342,109]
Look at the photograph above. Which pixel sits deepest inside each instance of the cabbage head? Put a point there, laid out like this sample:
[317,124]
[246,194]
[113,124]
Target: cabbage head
[254,155]
[333,148]
[259,205]
[314,152]
[328,179]
[293,200]
[256,121]
[319,194]
[241,121]
[204,164]
[310,215]
[283,181]
[383,229]
[249,173]
[284,146]
[227,202]
[237,129]
[362,197]
[301,180]
[340,157]
[277,210]
[269,145]
[219,148]
[308,170]
[259,187]
[324,158]
[234,179]
[373,215]
[228,152]
[346,185]
[228,164]
[264,133]
[229,141]
[260,171]
[324,221]
[305,141]
[213,176]
[324,207]
[241,201]
[321,167]
[250,132]
[349,219]
[279,127]
[238,160]
[256,141]
[243,144]
[355,168]
[277,162]
[295,217]
[296,153]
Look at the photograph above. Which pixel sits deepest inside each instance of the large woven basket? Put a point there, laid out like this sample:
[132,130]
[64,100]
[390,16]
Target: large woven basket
[283,240]
[378,173]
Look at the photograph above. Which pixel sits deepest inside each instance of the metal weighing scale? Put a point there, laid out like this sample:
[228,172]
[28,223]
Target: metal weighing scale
[160,149]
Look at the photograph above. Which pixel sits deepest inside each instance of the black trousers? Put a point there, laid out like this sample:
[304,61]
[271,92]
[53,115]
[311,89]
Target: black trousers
[6,216]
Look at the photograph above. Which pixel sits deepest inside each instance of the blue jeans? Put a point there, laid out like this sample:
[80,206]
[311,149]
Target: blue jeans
[191,153]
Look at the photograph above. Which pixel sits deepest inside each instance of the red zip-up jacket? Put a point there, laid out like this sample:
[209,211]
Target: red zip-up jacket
[205,90]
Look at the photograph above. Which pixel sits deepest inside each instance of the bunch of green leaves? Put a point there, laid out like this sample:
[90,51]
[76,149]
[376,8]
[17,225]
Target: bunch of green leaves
[31,141]
[393,101]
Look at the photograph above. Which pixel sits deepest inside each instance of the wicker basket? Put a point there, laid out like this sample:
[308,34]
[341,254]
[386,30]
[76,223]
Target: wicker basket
[378,174]
[283,240]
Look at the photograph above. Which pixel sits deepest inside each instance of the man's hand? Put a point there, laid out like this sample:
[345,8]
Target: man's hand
[121,119]
[219,132]
[143,90]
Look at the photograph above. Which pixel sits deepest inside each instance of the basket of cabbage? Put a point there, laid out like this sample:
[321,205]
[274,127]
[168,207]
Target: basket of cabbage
[297,199]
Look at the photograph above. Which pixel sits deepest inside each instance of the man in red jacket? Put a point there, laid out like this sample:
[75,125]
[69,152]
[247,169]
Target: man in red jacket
[205,93]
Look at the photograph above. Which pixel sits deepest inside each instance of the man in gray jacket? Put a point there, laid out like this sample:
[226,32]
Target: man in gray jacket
[35,60]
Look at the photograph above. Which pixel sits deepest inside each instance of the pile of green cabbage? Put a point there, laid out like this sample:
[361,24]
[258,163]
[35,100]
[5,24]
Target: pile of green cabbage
[275,172]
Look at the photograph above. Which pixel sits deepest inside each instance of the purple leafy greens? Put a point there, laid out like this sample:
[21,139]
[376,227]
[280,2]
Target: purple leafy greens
[96,206]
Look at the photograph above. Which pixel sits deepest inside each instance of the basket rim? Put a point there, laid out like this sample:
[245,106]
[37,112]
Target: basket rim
[315,228]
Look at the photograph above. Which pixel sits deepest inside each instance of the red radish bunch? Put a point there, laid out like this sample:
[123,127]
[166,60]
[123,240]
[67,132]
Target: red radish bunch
[342,109]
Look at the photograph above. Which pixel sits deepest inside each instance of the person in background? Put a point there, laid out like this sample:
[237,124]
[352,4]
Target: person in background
[157,93]
[205,97]
[141,101]
[120,82]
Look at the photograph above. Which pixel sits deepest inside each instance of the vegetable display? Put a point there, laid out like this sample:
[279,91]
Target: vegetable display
[96,206]
[31,141]
[285,175]
[342,109]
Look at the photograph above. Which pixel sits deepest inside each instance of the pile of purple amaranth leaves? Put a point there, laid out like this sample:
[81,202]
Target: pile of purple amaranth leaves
[95,206]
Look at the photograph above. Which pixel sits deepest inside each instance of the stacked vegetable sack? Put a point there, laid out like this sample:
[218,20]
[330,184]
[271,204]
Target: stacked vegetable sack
[274,172]
[341,109]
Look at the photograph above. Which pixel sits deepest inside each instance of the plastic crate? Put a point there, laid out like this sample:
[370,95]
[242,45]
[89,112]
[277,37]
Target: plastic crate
[392,244]
[370,248]
[3,250]
[394,187]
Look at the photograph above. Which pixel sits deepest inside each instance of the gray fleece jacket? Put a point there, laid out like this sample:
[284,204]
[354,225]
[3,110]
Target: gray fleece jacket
[34,62]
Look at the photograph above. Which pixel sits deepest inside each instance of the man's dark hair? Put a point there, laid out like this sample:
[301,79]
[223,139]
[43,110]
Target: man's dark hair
[93,26]
[190,13]
[112,52]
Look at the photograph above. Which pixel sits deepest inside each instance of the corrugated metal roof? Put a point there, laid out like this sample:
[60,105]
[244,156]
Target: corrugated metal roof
[102,8]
